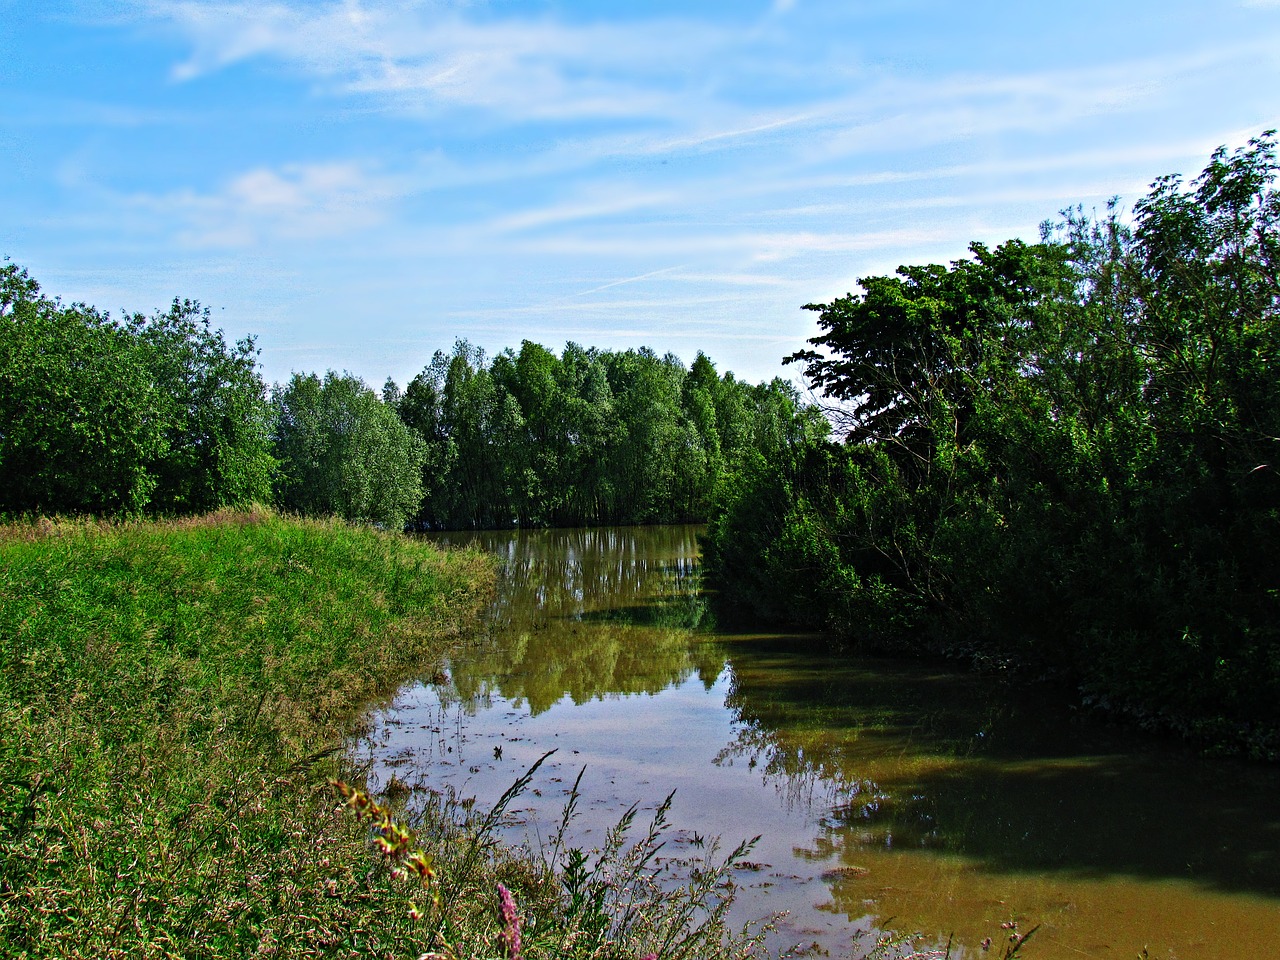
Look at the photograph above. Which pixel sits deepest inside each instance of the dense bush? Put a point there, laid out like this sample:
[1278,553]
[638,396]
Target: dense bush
[1057,455]
[100,416]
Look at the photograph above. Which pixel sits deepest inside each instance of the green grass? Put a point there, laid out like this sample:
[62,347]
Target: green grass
[175,699]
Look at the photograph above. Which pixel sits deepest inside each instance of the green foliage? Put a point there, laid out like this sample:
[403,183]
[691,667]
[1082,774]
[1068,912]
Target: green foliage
[589,437]
[103,417]
[77,404]
[343,451]
[218,421]
[1058,455]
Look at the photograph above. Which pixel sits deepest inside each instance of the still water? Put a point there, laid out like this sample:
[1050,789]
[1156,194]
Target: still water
[886,795]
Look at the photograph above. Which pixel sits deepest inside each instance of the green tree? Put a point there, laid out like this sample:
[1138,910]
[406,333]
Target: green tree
[343,451]
[591,434]
[646,390]
[1058,455]
[218,419]
[585,438]
[158,414]
[81,419]
[475,413]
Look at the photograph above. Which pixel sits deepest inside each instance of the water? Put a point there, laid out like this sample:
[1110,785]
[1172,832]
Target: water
[887,795]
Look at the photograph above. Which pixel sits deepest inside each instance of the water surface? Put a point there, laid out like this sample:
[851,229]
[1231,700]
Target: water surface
[887,795]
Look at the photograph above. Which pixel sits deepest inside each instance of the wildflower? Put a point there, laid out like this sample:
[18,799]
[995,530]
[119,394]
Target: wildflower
[420,864]
[357,800]
[510,934]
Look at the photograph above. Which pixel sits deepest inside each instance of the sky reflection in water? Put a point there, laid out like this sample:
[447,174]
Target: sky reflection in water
[886,794]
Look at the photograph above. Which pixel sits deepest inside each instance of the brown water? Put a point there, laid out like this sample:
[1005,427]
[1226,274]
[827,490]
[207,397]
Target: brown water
[887,795]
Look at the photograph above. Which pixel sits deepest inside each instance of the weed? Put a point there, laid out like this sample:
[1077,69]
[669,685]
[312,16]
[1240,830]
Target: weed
[616,903]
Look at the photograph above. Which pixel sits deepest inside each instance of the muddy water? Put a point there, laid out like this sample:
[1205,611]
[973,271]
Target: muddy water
[887,795]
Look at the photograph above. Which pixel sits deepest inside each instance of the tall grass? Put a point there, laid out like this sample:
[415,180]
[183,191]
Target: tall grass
[474,897]
[175,699]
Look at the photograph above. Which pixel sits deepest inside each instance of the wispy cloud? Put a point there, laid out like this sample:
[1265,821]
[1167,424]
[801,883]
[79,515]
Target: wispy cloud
[431,56]
[565,213]
[626,280]
[297,202]
[658,86]
[492,166]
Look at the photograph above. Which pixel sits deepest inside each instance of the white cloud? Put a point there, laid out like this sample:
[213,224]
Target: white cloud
[562,167]
[682,86]
[300,202]
[429,56]
[564,213]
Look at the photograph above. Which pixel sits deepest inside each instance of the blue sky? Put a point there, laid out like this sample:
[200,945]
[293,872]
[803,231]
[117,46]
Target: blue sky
[358,183]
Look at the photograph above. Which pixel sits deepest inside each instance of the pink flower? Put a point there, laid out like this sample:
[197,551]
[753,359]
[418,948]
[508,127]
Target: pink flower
[510,934]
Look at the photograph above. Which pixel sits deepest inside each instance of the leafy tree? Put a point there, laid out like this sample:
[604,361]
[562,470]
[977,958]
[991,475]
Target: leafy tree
[107,417]
[905,357]
[475,413]
[420,409]
[79,423]
[1057,455]
[591,435]
[343,451]
[218,419]
[646,389]
[587,437]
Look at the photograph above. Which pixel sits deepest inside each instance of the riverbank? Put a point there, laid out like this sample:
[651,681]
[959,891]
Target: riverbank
[176,700]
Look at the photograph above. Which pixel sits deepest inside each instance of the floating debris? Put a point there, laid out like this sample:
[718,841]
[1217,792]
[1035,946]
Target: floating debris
[845,873]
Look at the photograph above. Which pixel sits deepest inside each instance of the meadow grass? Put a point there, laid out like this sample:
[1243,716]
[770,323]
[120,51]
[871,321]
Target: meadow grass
[176,700]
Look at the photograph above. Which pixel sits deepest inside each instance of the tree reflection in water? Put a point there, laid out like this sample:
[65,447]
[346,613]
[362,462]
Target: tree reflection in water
[587,614]
[946,800]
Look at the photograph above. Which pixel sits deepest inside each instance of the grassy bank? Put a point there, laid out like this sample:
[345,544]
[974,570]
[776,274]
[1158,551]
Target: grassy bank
[175,700]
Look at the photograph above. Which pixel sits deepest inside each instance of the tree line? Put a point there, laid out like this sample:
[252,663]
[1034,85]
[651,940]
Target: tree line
[592,436]
[1059,456]
[161,415]
[1056,456]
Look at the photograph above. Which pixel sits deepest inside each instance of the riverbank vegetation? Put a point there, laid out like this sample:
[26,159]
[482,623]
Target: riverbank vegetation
[161,416]
[176,699]
[1056,456]
[589,437]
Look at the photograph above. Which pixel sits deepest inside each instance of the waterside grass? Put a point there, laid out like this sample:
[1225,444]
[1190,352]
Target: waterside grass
[174,700]
[176,704]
